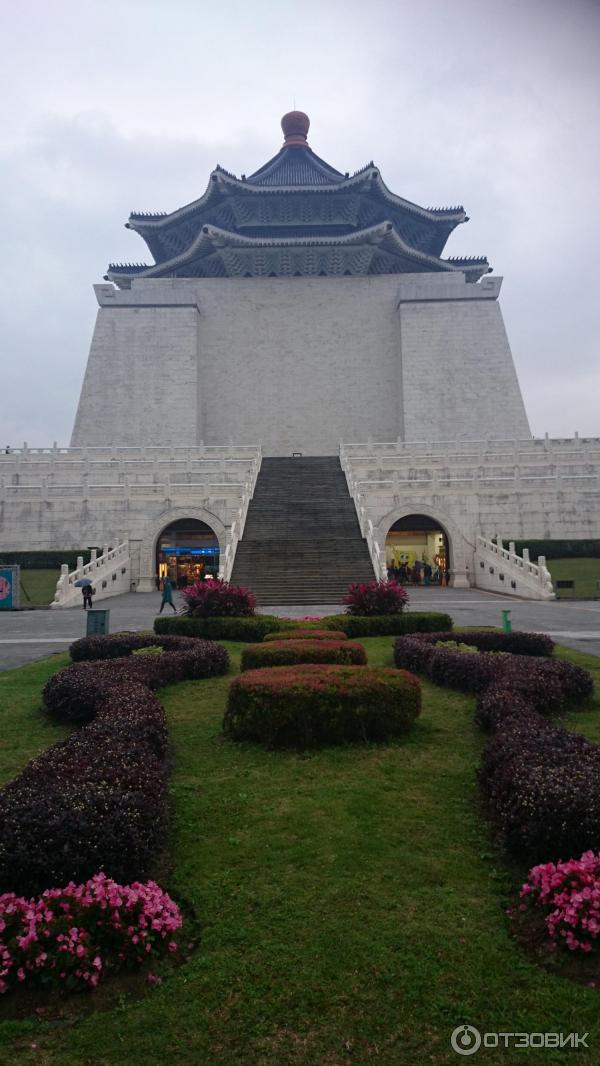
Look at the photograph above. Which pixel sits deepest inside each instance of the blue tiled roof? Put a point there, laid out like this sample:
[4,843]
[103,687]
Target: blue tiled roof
[296,165]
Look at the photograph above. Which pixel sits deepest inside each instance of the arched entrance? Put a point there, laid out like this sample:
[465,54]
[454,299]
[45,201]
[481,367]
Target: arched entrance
[187,550]
[417,549]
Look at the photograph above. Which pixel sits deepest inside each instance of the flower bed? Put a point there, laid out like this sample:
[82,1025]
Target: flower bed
[306,634]
[567,895]
[291,652]
[310,706]
[75,936]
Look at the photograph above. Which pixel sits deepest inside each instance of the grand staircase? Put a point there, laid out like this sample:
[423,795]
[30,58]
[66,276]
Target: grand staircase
[302,542]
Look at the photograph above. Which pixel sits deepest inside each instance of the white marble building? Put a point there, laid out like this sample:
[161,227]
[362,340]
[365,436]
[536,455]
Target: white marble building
[301,310]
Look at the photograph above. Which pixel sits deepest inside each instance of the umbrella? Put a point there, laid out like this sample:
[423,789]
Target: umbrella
[82,582]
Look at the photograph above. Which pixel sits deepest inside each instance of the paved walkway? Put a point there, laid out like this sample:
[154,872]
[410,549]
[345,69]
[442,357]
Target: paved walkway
[29,635]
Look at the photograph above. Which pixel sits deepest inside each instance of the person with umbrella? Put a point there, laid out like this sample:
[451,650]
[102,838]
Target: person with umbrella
[87,591]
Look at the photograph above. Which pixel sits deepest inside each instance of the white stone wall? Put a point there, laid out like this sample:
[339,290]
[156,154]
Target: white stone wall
[141,379]
[299,364]
[518,490]
[457,372]
[77,498]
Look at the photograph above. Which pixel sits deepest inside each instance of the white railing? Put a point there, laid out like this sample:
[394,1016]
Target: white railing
[500,569]
[242,452]
[109,573]
[366,526]
[236,530]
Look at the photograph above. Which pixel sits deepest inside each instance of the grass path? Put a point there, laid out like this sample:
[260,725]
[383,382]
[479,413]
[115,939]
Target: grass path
[352,905]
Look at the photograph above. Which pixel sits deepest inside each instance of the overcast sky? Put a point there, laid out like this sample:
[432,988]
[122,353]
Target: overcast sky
[107,108]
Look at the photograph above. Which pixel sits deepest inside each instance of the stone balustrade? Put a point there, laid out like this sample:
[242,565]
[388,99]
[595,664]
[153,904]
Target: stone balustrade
[531,489]
[109,572]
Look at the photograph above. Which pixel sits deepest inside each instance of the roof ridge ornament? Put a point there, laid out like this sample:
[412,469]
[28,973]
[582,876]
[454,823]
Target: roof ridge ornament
[295,126]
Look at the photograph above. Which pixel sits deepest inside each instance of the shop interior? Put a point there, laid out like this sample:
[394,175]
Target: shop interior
[187,551]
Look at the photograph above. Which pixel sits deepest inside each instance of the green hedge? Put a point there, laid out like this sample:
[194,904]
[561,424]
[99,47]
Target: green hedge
[255,627]
[388,625]
[559,549]
[291,652]
[44,560]
[311,706]
[245,628]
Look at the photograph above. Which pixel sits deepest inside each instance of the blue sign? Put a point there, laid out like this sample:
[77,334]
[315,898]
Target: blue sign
[190,551]
[8,590]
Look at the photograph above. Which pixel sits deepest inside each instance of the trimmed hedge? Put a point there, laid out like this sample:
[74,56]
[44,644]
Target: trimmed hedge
[45,560]
[542,789]
[560,549]
[307,634]
[251,629]
[118,645]
[255,628]
[291,652]
[97,801]
[311,706]
[516,643]
[74,693]
[541,784]
[387,625]
[549,684]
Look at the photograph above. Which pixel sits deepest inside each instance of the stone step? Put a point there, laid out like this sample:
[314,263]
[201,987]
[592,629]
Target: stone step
[302,541]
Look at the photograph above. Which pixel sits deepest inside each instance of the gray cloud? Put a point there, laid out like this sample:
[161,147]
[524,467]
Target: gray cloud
[493,106]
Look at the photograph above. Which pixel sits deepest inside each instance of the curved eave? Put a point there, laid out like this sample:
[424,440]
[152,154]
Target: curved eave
[221,181]
[212,238]
[453,215]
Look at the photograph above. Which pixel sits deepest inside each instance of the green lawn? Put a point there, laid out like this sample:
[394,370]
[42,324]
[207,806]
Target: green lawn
[351,903]
[584,572]
[38,587]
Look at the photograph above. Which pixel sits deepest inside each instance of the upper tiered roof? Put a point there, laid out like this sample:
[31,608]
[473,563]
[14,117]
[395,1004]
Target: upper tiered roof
[296,216]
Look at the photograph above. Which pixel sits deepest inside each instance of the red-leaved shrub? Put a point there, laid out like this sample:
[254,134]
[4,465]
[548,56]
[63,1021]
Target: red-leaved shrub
[291,652]
[375,598]
[310,706]
[210,599]
[306,634]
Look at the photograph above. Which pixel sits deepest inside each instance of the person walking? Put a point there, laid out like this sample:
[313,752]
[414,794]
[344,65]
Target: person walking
[167,595]
[87,594]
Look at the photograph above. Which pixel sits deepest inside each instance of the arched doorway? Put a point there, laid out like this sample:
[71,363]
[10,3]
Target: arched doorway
[187,550]
[419,545]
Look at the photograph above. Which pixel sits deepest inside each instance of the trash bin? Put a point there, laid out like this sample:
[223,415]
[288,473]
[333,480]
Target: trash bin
[506,622]
[97,623]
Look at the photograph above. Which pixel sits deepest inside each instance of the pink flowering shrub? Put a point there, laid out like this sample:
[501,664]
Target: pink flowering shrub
[568,895]
[74,936]
[209,599]
[375,597]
